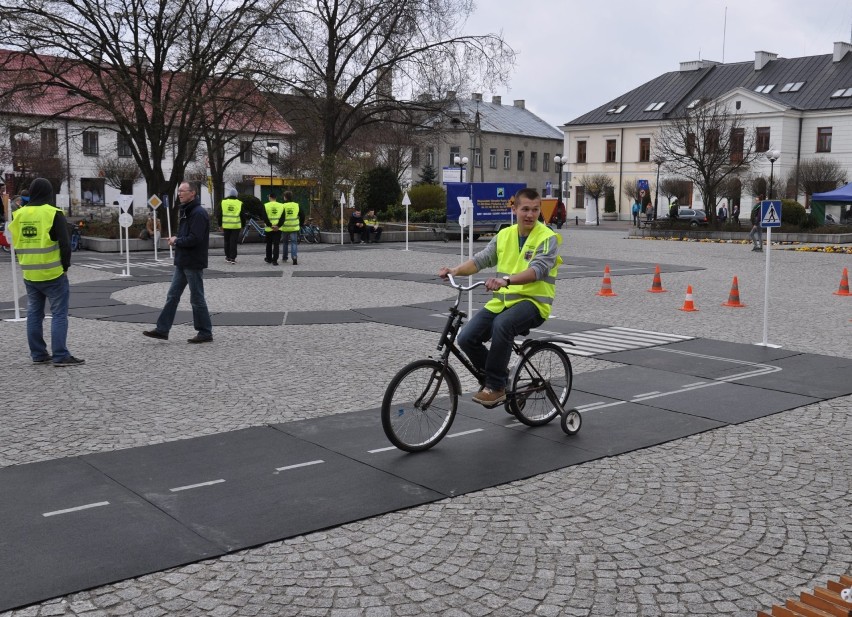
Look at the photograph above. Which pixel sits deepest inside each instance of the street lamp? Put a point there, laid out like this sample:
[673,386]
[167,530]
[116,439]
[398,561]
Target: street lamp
[772,155]
[559,161]
[272,151]
[659,160]
[461,162]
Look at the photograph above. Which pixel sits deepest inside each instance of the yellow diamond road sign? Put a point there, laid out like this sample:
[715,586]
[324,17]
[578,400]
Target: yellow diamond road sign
[155,202]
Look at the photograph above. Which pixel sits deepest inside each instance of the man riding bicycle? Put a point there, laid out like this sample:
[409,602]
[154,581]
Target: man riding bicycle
[527,258]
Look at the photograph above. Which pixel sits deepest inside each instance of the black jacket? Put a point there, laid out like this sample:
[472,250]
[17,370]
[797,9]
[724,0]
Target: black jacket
[193,236]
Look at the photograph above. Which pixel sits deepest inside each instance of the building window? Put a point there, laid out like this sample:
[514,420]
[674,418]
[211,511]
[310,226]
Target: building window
[507,159]
[737,145]
[610,151]
[765,88]
[271,159]
[90,143]
[49,142]
[644,149]
[690,144]
[430,157]
[520,165]
[492,158]
[580,197]
[533,161]
[762,139]
[455,151]
[824,139]
[246,152]
[92,191]
[415,157]
[545,162]
[122,146]
[581,151]
[477,157]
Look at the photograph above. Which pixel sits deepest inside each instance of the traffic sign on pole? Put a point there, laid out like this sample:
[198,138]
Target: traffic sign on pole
[770,213]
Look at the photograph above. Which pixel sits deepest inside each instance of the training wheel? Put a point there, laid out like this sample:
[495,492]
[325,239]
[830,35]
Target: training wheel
[571,421]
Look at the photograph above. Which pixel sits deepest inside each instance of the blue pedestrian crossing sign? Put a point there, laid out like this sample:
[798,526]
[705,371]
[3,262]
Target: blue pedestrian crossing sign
[770,213]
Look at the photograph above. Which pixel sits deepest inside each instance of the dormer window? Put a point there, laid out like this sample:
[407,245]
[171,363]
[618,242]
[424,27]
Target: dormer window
[693,104]
[842,93]
[655,106]
[765,89]
[793,86]
[617,109]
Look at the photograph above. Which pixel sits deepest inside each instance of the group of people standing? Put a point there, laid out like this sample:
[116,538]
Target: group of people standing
[281,220]
[642,205]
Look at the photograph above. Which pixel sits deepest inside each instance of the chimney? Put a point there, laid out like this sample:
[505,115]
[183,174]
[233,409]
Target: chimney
[476,96]
[520,104]
[762,58]
[840,50]
[694,65]
[496,100]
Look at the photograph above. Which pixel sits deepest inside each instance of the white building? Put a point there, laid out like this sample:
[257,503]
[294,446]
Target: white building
[801,107]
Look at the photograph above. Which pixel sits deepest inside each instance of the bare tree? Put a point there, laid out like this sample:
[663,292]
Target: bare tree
[118,172]
[595,185]
[819,174]
[361,62]
[147,67]
[706,145]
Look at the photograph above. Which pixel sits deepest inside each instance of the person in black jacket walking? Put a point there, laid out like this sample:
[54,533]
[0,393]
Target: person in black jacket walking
[191,244]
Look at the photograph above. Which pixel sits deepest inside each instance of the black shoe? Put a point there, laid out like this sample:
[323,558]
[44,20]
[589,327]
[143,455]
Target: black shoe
[274,263]
[200,339]
[269,261]
[156,334]
[69,361]
[295,262]
[42,361]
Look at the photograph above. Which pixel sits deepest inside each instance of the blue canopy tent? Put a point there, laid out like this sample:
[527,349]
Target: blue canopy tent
[841,197]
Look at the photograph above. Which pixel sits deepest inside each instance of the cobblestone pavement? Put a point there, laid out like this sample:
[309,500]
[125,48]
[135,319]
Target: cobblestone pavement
[720,523]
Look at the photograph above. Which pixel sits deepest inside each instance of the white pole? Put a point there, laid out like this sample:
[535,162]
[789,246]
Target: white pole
[11,240]
[406,201]
[169,223]
[765,342]
[342,205]
[127,248]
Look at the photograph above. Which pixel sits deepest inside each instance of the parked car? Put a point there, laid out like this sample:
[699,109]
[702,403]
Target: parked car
[692,216]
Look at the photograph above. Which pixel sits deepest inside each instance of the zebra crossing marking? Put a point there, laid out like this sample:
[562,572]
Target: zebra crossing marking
[608,340]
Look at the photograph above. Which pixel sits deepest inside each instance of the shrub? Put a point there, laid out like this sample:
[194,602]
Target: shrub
[609,201]
[792,212]
[427,197]
[377,190]
[432,215]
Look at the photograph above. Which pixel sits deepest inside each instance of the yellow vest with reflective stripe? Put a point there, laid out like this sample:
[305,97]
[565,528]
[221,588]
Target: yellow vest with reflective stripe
[231,209]
[512,259]
[291,214]
[37,253]
[273,212]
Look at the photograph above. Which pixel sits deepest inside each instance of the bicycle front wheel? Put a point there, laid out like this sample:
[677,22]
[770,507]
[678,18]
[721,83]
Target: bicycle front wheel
[75,241]
[419,406]
[541,384]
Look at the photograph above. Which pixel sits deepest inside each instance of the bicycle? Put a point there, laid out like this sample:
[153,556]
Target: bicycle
[310,233]
[252,224]
[75,237]
[420,402]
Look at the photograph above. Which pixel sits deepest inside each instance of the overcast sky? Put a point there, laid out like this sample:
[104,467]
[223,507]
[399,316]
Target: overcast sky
[575,55]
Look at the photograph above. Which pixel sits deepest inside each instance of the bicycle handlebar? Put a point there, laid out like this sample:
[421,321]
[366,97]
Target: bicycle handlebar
[460,287]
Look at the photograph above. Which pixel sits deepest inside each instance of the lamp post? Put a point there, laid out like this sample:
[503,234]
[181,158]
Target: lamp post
[659,160]
[22,139]
[772,155]
[559,161]
[272,151]
[461,161]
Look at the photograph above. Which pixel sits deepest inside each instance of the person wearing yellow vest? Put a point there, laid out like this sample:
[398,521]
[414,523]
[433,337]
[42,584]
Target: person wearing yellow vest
[232,219]
[273,215]
[290,227]
[527,258]
[41,242]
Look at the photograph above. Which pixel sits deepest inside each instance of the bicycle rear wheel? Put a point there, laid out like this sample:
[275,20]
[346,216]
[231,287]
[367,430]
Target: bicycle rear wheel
[75,240]
[542,378]
[419,406]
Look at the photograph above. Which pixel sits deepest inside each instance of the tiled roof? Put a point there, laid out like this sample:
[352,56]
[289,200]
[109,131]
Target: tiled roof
[819,76]
[17,69]
[507,119]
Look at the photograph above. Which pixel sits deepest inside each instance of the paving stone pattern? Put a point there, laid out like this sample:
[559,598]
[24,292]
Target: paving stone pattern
[722,523]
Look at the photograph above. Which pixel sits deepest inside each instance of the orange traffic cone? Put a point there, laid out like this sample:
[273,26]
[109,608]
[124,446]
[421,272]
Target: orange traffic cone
[606,286]
[657,285]
[844,285]
[734,296]
[688,306]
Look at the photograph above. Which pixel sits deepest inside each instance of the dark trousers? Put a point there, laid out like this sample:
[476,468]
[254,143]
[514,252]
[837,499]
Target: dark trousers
[273,240]
[231,236]
[376,231]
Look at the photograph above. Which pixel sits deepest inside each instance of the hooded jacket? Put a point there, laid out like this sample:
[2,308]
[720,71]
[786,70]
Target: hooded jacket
[41,195]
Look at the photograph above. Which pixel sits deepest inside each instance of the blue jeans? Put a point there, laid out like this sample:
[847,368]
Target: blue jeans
[293,236]
[756,236]
[200,315]
[57,292]
[501,328]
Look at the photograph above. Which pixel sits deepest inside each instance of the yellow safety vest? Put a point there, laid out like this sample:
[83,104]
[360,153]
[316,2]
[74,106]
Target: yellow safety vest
[231,209]
[291,217]
[37,253]
[373,222]
[273,212]
[512,259]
